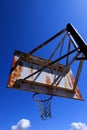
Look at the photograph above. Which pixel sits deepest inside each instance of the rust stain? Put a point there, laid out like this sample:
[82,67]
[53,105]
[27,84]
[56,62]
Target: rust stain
[69,79]
[31,71]
[48,81]
[11,81]
[72,79]
[65,84]
[14,75]
[16,70]
[14,61]
[78,93]
[19,68]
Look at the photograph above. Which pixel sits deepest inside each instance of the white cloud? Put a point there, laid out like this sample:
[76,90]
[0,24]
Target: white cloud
[78,126]
[23,124]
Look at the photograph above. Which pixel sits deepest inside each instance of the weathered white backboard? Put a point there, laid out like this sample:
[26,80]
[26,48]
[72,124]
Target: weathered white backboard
[49,81]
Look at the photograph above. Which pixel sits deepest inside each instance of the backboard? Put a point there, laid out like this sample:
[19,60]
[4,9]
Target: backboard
[54,79]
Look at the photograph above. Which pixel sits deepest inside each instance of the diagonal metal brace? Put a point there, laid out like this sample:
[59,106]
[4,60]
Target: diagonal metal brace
[51,63]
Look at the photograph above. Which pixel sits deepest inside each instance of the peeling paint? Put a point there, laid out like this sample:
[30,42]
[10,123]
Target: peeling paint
[14,75]
[48,81]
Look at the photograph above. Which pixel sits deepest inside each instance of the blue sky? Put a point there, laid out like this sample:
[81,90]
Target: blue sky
[24,24]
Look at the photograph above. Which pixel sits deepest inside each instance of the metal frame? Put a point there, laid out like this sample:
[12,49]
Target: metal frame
[74,39]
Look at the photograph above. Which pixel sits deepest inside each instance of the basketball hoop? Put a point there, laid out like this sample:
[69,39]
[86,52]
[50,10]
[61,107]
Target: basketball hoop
[44,104]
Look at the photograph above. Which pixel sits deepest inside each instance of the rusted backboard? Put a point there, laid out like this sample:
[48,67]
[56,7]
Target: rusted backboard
[51,80]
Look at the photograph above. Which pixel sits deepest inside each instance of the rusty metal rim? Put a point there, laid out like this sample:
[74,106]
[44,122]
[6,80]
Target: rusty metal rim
[39,100]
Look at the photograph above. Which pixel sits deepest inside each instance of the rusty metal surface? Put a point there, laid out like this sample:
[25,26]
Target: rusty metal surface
[44,81]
